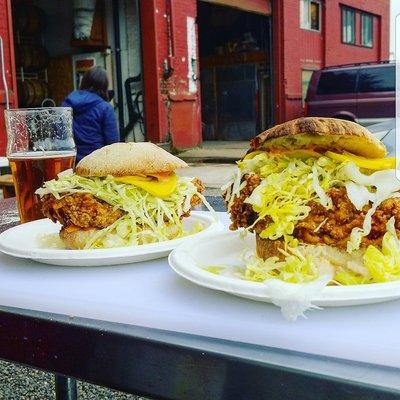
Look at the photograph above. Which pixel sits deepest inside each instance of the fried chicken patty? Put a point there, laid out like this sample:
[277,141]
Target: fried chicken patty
[333,227]
[196,200]
[80,209]
[242,214]
[330,227]
[84,210]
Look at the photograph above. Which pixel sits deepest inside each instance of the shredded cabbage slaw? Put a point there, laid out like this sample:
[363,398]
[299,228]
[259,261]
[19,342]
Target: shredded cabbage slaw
[287,185]
[148,218]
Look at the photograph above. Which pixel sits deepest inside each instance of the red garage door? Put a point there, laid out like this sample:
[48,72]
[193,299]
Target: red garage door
[7,71]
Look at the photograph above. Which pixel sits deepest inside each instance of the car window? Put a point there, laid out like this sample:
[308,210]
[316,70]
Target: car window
[379,79]
[334,82]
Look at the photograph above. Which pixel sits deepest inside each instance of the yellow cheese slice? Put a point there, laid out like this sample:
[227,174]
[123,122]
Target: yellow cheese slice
[162,188]
[375,164]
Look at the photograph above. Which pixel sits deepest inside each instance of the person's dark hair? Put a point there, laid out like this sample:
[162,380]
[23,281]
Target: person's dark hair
[96,80]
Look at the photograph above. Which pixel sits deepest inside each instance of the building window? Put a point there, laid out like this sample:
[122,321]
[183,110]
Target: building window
[348,25]
[305,80]
[366,30]
[310,15]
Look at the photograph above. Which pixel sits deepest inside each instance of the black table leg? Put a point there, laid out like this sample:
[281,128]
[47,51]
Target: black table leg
[65,388]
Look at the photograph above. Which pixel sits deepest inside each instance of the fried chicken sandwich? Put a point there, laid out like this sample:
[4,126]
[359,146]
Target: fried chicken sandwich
[318,193]
[122,194]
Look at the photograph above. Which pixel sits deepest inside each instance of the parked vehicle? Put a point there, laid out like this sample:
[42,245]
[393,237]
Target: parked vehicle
[386,132]
[364,92]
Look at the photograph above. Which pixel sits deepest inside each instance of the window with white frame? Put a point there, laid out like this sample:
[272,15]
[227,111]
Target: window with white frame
[348,25]
[310,14]
[305,80]
[366,30]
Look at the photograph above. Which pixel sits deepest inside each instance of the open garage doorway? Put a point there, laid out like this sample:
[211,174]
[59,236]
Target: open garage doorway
[57,41]
[235,72]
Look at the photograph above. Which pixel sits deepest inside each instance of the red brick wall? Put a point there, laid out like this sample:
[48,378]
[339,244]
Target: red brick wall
[296,49]
[340,53]
[184,106]
[155,51]
[171,111]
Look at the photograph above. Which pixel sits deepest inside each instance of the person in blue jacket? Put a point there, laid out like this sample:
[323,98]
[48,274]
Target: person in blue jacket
[94,123]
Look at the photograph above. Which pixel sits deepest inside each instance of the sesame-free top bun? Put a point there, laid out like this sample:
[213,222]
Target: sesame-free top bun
[122,159]
[330,133]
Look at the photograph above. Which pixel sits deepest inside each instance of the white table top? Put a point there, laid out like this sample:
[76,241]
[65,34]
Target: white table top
[150,294]
[4,162]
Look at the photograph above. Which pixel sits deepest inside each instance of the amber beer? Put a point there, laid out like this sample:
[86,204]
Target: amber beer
[29,171]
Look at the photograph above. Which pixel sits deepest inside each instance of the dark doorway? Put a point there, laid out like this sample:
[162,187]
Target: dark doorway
[235,48]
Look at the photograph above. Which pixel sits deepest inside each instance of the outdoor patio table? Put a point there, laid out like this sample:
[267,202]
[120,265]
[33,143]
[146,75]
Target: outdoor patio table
[197,344]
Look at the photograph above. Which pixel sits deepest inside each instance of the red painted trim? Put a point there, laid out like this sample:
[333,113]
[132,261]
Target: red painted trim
[154,108]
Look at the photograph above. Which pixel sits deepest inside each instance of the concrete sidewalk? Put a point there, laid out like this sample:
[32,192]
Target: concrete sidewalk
[214,163]
[212,175]
[216,152]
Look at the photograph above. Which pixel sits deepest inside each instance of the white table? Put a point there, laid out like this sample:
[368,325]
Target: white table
[151,295]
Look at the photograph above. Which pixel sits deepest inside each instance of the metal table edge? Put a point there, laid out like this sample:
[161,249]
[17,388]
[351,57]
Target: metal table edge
[78,346]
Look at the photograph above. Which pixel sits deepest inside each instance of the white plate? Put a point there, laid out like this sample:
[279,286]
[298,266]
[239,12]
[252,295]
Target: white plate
[22,241]
[189,260]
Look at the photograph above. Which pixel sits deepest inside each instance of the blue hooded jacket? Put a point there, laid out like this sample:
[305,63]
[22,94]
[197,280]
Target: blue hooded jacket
[94,123]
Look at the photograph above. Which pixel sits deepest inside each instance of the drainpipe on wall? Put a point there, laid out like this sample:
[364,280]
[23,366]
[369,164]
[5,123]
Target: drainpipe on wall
[117,37]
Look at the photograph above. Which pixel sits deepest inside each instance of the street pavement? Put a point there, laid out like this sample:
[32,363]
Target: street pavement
[213,175]
[22,383]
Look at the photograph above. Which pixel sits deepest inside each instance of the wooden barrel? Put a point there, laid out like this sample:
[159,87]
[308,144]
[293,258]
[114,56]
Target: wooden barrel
[28,19]
[31,57]
[31,92]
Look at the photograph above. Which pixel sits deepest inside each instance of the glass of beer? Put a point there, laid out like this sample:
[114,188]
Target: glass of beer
[40,146]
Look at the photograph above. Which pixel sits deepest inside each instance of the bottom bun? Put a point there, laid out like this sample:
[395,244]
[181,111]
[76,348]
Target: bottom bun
[269,248]
[76,239]
[321,254]
[80,238]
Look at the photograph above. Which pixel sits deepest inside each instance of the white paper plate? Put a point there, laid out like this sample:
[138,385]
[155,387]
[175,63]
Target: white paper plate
[22,241]
[190,259]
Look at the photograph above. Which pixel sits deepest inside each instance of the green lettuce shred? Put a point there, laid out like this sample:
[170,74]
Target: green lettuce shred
[148,218]
[293,269]
[287,185]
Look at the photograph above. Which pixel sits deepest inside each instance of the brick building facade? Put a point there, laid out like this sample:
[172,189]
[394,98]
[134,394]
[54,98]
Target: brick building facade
[304,35]
[300,49]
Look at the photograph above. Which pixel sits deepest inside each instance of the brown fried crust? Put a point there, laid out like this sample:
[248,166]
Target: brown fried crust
[83,210]
[266,248]
[241,213]
[321,227]
[80,209]
[196,200]
[333,227]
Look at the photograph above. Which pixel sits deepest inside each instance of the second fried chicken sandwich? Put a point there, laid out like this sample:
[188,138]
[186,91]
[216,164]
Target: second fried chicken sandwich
[122,194]
[319,191]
